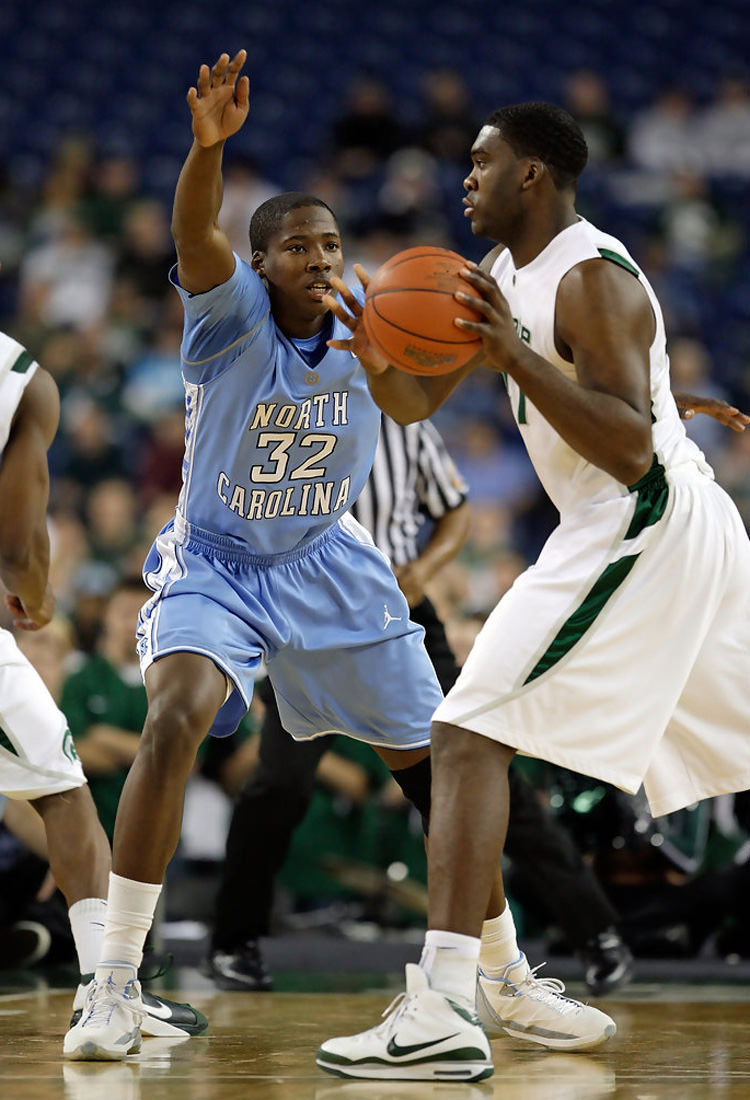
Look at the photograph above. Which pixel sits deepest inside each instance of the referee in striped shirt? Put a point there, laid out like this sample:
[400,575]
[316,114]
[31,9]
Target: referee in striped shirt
[413,485]
[415,506]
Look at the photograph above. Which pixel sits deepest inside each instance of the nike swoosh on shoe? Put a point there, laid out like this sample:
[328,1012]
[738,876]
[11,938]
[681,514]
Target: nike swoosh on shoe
[396,1051]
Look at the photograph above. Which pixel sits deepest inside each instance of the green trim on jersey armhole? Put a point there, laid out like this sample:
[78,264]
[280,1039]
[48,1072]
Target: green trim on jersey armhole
[616,258]
[23,362]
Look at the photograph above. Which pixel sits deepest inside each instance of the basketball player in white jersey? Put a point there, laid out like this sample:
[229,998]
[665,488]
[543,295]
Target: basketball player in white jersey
[38,760]
[624,651]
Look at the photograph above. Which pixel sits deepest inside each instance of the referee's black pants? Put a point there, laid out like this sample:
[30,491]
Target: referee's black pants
[275,799]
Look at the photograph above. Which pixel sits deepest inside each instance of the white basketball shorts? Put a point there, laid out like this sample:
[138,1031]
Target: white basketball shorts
[37,754]
[624,652]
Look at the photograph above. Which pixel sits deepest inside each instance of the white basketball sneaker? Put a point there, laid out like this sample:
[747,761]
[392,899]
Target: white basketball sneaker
[425,1036]
[519,1004]
[109,1027]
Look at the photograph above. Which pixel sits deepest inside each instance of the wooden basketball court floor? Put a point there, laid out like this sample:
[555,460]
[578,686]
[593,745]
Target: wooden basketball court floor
[674,1042]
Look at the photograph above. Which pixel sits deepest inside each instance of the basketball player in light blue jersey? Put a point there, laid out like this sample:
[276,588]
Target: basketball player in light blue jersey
[261,562]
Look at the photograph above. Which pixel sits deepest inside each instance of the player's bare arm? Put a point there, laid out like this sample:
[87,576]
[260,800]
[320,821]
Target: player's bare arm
[604,325]
[219,105]
[689,404]
[24,493]
[448,536]
[404,397]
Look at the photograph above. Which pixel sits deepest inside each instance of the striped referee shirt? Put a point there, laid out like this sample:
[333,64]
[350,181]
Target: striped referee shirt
[413,480]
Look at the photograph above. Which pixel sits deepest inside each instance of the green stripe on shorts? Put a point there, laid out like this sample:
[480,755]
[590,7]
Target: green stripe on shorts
[582,618]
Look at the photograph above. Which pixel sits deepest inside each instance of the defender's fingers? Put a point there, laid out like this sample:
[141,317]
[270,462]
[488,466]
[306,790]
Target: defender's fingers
[346,294]
[219,71]
[338,309]
[204,80]
[362,275]
[242,91]
[235,65]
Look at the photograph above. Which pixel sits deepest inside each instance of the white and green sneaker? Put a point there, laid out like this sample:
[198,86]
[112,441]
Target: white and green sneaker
[520,1004]
[425,1036]
[110,1023]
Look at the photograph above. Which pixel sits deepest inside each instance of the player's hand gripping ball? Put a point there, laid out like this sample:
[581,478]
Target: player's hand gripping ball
[410,309]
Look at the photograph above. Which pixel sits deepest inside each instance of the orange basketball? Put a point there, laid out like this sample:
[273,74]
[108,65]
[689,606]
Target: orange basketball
[409,311]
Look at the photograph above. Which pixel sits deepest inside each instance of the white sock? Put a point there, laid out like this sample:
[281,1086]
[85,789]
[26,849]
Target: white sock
[130,912]
[87,918]
[450,963]
[499,945]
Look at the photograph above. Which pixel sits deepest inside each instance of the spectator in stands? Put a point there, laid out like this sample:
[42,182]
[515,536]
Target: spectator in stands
[67,280]
[105,701]
[661,137]
[245,188]
[588,98]
[700,239]
[448,119]
[145,252]
[723,131]
[409,202]
[691,371]
[368,131]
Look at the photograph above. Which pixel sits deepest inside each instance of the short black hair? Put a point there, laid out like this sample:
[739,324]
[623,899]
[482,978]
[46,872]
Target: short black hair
[268,217]
[545,131]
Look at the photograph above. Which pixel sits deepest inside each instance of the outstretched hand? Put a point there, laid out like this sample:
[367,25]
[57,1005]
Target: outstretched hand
[220,103]
[349,311]
[689,404]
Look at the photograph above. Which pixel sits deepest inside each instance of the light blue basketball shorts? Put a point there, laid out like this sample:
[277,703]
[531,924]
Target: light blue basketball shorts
[329,621]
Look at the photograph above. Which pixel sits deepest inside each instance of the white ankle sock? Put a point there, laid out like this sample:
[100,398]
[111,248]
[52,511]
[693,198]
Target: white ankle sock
[499,945]
[87,918]
[450,962]
[130,912]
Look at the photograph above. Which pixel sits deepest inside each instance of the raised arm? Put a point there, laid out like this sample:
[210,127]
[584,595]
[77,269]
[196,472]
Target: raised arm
[24,493]
[219,106]
[446,539]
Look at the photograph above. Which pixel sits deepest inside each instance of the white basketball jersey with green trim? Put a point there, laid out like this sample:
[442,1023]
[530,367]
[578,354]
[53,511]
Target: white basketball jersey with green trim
[531,292]
[17,367]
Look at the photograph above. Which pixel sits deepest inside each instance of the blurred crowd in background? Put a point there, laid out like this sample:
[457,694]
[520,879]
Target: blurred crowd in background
[85,248]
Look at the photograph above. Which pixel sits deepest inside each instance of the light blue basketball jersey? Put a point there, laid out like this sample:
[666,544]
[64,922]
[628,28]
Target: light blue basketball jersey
[263,562]
[275,450]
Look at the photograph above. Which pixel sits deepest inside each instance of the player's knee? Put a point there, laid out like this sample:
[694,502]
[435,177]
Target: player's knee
[460,750]
[177,725]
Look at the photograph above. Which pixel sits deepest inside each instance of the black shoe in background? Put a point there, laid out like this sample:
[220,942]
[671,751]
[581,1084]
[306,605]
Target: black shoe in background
[24,944]
[242,969]
[607,962]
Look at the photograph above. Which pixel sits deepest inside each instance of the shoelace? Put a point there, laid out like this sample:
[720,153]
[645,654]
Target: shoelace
[548,990]
[103,998]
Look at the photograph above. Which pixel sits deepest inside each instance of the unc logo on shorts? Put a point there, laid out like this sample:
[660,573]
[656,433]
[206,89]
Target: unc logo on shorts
[68,747]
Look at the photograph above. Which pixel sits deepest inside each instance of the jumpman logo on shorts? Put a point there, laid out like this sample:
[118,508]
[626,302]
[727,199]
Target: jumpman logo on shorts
[388,618]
